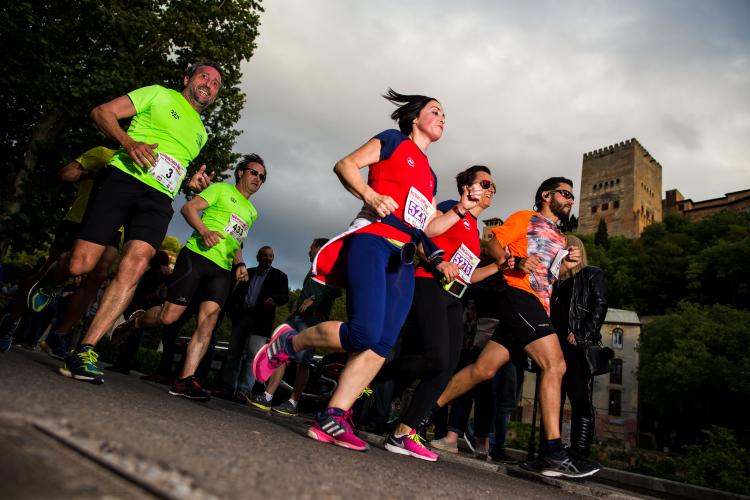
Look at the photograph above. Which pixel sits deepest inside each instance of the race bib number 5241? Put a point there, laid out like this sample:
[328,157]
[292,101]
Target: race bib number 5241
[418,209]
[466,261]
[168,172]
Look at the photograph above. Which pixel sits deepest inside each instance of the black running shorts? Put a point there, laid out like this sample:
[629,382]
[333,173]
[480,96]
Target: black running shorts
[522,320]
[197,278]
[118,199]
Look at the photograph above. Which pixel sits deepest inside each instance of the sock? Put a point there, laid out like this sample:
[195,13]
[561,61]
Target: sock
[293,402]
[268,397]
[554,445]
[84,346]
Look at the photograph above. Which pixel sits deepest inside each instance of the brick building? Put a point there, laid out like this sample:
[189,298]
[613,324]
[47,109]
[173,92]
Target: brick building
[620,184]
[674,202]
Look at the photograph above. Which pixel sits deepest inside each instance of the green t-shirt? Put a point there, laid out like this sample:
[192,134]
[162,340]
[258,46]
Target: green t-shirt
[163,117]
[229,212]
[91,161]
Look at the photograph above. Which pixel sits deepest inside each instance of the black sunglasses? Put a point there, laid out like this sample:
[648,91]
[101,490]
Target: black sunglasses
[254,172]
[565,193]
[487,184]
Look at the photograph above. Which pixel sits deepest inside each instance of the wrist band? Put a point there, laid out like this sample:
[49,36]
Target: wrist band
[458,212]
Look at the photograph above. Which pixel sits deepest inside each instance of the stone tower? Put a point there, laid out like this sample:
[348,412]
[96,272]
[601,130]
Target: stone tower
[622,185]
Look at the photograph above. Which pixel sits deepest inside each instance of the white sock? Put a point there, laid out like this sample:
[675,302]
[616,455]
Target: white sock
[294,402]
[268,397]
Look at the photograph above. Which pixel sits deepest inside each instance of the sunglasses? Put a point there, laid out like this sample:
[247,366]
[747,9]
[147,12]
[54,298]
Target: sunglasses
[487,184]
[255,173]
[565,193]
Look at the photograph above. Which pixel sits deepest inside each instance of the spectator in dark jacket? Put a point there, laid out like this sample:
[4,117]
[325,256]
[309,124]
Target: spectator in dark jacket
[578,308]
[252,309]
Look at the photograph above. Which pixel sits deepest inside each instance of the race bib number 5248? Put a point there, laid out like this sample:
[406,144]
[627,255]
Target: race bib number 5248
[418,209]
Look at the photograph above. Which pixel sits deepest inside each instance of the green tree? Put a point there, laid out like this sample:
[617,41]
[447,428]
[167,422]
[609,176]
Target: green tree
[694,370]
[62,58]
[717,462]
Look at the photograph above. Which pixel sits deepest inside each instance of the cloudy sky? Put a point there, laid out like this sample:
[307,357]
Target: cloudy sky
[527,87]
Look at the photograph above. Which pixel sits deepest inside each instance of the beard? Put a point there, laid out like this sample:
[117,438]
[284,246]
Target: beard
[559,209]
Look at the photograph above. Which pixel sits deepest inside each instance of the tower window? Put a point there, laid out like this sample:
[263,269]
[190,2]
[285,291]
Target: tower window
[617,181]
[616,204]
[593,210]
[605,206]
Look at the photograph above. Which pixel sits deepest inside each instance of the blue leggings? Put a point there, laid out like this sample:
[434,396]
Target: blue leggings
[379,292]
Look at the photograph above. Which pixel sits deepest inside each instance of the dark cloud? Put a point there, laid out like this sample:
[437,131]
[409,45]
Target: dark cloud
[527,88]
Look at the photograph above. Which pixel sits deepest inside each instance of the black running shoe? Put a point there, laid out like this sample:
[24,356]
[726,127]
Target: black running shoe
[562,465]
[501,456]
[189,387]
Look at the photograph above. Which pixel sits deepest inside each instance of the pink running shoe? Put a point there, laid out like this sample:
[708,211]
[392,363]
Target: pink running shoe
[410,444]
[273,354]
[335,426]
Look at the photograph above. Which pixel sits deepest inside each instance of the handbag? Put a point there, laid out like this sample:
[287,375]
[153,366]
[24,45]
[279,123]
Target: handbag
[599,359]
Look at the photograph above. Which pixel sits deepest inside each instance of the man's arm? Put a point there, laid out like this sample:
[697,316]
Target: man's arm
[73,172]
[191,211]
[106,116]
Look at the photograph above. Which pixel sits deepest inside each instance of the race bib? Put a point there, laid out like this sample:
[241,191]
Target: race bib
[466,262]
[418,209]
[554,269]
[168,172]
[237,228]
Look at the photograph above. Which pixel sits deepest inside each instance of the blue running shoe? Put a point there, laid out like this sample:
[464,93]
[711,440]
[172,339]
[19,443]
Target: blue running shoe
[39,298]
[81,365]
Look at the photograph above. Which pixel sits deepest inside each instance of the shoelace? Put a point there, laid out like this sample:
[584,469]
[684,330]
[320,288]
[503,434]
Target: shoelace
[365,392]
[89,356]
[417,439]
[345,420]
[278,359]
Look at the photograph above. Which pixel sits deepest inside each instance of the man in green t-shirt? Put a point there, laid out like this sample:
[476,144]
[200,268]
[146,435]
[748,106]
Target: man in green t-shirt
[82,171]
[203,271]
[136,191]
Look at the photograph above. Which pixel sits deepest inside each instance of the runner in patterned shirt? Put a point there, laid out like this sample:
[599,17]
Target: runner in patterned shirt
[523,310]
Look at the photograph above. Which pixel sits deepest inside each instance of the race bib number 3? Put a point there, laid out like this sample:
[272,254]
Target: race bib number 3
[466,262]
[168,172]
[418,209]
[237,228]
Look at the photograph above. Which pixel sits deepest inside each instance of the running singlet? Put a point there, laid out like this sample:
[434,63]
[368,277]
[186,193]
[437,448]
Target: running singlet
[164,117]
[528,233]
[229,213]
[402,166]
[460,242]
[91,161]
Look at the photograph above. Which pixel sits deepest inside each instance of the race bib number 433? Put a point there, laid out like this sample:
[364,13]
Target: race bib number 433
[237,228]
[168,172]
[418,209]
[466,262]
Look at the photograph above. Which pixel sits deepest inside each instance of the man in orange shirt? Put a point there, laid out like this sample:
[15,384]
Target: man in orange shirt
[538,247]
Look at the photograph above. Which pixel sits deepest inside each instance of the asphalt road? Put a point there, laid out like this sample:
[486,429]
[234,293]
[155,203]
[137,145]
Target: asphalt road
[61,438]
